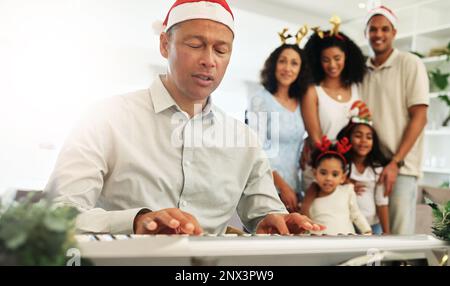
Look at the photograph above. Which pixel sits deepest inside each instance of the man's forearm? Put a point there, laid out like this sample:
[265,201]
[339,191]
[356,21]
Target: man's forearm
[98,220]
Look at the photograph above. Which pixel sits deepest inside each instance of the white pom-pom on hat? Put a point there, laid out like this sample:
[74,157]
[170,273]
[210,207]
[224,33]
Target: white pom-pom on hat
[158,27]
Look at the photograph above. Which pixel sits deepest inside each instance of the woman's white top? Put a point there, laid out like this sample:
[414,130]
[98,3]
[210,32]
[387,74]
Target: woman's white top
[333,114]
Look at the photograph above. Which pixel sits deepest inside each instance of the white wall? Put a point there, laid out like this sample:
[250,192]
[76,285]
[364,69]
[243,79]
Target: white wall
[57,57]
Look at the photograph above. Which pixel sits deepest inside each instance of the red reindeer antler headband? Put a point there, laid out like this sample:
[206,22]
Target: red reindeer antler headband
[342,147]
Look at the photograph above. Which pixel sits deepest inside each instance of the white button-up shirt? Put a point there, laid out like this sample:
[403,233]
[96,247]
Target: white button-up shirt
[141,151]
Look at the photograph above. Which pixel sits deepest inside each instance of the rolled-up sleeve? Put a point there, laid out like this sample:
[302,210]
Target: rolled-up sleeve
[416,83]
[260,196]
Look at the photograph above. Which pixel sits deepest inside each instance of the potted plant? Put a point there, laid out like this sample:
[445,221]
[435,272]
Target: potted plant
[438,79]
[443,51]
[36,233]
[446,99]
[445,185]
[441,222]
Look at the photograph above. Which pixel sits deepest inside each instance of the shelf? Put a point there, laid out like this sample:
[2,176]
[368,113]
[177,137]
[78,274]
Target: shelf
[439,32]
[437,132]
[404,41]
[444,171]
[436,94]
[438,59]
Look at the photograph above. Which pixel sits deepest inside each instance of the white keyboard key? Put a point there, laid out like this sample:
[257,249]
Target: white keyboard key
[85,237]
[104,237]
[229,235]
[138,236]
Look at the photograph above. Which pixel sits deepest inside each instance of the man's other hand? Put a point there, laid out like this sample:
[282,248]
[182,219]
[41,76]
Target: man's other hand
[293,223]
[167,221]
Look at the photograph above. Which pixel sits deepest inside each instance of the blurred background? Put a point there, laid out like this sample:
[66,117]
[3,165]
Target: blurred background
[58,57]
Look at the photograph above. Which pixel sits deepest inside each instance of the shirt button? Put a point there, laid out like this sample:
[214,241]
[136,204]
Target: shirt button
[184,203]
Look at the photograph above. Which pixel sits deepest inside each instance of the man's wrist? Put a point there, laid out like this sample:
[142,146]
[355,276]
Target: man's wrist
[138,215]
[398,162]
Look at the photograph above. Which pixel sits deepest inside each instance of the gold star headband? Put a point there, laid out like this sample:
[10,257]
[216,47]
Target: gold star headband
[334,31]
[302,32]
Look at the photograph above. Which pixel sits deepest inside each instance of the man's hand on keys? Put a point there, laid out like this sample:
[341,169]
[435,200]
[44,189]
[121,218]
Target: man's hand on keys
[293,223]
[167,221]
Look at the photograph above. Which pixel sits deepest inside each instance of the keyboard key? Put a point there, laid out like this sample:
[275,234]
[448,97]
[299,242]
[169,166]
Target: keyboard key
[104,237]
[121,237]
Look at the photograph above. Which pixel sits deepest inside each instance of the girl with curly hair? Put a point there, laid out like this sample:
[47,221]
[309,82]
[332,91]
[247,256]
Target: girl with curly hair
[338,67]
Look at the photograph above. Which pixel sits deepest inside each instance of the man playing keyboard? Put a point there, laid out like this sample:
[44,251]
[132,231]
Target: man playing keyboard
[166,160]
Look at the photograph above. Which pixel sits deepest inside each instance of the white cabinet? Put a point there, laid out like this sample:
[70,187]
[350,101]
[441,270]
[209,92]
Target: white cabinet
[422,27]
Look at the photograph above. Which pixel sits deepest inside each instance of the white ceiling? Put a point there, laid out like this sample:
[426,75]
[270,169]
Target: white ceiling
[287,9]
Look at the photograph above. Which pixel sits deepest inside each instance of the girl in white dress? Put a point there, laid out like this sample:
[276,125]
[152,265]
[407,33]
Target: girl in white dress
[335,205]
[365,165]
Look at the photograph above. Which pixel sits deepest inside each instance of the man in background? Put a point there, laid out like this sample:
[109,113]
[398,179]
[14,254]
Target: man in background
[396,91]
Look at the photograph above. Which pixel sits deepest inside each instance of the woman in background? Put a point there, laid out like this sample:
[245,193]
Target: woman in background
[275,113]
[337,66]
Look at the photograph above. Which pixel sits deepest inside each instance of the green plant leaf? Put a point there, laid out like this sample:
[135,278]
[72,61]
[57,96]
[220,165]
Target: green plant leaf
[447,207]
[441,221]
[16,241]
[55,223]
[445,99]
[437,212]
[417,54]
[439,79]
[446,184]
[37,233]
[429,202]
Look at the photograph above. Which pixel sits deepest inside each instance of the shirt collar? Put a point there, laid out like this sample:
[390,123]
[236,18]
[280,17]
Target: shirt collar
[386,64]
[162,99]
[160,96]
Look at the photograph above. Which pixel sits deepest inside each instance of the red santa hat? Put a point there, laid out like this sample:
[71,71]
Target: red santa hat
[183,10]
[360,113]
[384,11]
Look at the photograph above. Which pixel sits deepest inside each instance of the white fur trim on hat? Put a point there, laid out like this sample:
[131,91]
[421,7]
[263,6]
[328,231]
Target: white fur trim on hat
[200,10]
[386,12]
[158,27]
